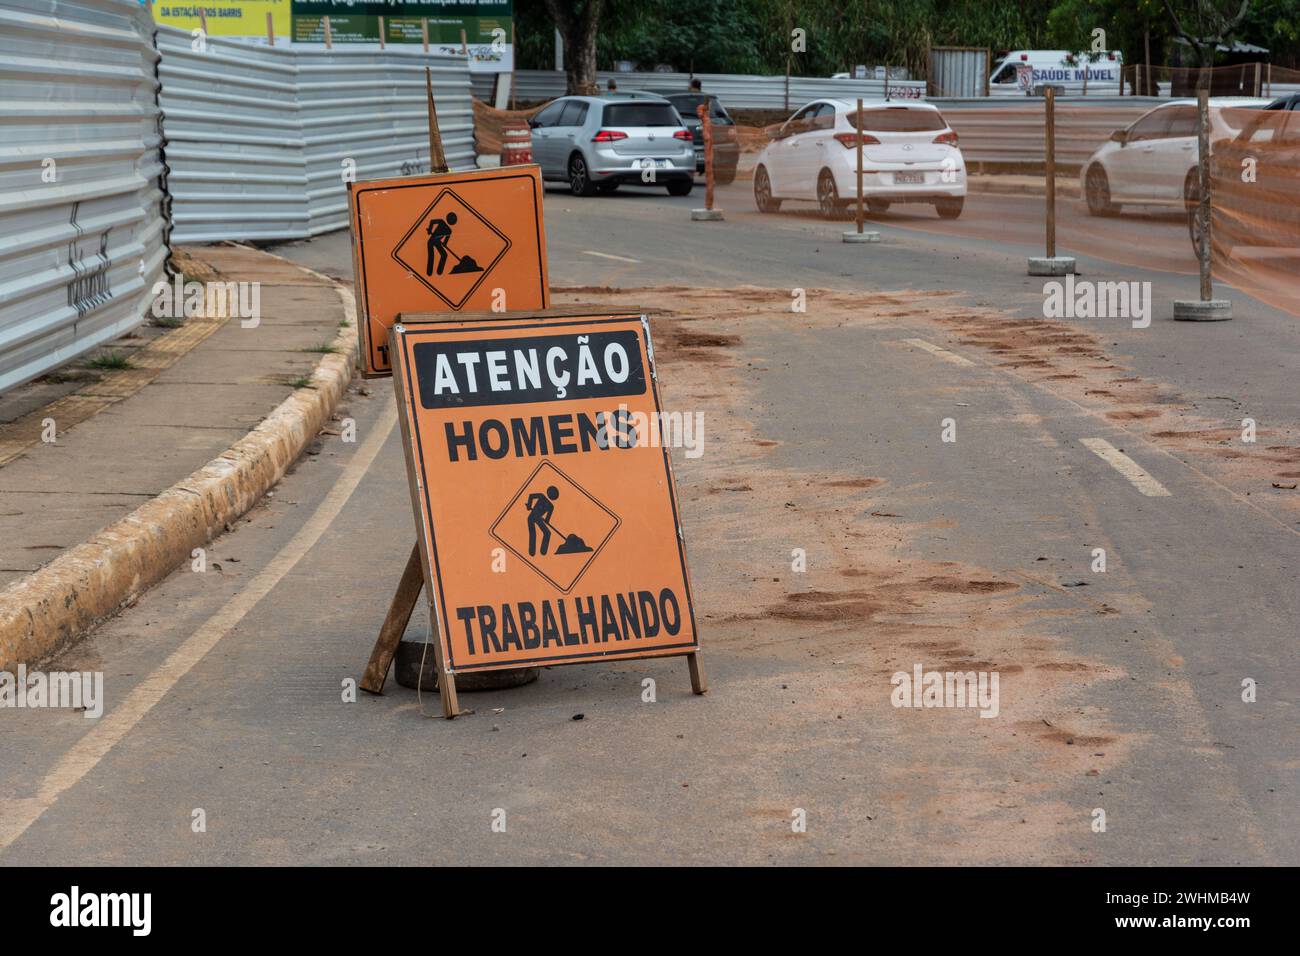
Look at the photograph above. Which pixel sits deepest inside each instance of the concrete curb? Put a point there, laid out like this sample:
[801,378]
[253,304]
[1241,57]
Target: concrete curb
[63,601]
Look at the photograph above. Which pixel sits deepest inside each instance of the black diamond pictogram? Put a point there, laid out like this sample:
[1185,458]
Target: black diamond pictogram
[451,248]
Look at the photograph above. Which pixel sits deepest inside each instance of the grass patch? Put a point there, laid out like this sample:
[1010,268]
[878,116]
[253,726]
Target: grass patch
[110,361]
[166,322]
[323,349]
[302,381]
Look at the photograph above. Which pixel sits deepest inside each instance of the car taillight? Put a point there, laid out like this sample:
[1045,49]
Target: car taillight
[947,139]
[850,140]
[608,136]
[683,134]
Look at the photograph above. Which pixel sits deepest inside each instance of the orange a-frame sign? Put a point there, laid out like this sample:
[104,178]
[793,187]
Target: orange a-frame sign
[545,503]
[448,242]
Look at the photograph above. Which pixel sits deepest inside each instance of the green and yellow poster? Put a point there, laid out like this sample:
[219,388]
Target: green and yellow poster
[227,18]
[483,30]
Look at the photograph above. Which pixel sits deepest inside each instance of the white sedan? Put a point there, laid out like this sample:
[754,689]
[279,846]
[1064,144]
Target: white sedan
[910,154]
[1153,161]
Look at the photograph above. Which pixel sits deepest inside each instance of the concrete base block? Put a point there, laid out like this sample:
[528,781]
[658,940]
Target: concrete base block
[853,235]
[406,668]
[1194,310]
[1054,266]
[706,215]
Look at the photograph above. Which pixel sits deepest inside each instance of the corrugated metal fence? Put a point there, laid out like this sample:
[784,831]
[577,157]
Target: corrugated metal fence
[959,71]
[257,141]
[259,138]
[735,91]
[82,217]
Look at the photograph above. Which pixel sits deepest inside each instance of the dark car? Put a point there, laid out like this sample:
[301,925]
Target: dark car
[726,145]
[1291,102]
[1256,184]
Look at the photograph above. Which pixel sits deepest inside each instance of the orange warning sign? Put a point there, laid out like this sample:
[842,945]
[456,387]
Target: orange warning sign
[542,489]
[454,242]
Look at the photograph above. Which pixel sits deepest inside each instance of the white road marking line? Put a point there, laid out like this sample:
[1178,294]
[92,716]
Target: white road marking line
[606,255]
[17,815]
[942,353]
[1126,466]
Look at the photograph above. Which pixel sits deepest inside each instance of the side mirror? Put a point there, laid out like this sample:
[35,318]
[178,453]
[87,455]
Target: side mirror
[1119,136]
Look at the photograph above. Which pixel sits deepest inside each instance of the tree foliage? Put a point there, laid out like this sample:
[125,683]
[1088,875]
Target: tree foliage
[753,36]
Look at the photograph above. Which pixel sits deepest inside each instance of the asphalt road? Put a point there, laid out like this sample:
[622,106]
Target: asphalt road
[1122,691]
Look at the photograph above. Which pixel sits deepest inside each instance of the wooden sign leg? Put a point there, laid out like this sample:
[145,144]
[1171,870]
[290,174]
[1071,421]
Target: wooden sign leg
[699,683]
[399,615]
[447,689]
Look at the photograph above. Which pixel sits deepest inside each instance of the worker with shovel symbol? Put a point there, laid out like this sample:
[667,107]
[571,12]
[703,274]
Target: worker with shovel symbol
[439,231]
[540,510]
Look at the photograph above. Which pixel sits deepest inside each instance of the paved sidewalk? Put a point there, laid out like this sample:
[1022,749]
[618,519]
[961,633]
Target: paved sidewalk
[189,395]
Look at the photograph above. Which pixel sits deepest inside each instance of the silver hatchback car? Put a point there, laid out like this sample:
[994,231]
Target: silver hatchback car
[596,143]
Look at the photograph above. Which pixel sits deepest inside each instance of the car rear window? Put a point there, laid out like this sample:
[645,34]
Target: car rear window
[901,119]
[640,114]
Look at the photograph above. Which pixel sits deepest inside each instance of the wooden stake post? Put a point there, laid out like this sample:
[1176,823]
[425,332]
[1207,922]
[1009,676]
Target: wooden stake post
[437,158]
[1050,95]
[1203,177]
[706,134]
[859,145]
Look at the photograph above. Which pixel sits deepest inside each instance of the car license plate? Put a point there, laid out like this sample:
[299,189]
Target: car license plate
[913,178]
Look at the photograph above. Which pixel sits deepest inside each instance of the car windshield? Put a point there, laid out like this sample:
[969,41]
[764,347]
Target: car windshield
[640,114]
[900,119]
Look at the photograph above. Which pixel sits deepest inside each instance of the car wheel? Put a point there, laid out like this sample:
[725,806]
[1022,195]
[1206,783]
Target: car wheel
[877,207]
[763,192]
[580,183]
[680,187]
[828,197]
[949,208]
[1097,192]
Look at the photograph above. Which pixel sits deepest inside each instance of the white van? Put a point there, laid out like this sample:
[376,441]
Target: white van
[1028,72]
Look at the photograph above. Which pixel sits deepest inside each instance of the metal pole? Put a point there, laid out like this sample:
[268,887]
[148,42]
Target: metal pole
[858,123]
[1146,40]
[1050,95]
[329,36]
[1203,174]
[270,29]
[424,32]
[381,33]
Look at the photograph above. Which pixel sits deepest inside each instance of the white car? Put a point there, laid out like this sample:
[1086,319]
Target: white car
[1153,161]
[910,154]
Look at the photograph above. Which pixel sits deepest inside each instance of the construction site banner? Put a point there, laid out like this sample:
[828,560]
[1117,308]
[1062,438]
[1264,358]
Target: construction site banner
[483,30]
[228,18]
